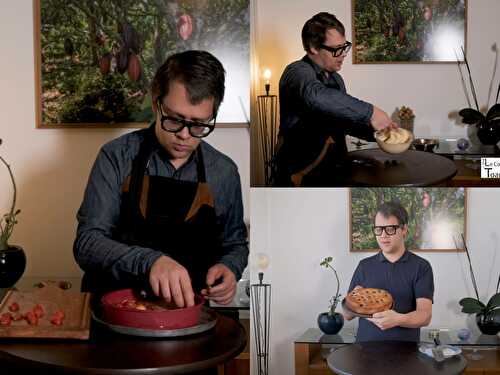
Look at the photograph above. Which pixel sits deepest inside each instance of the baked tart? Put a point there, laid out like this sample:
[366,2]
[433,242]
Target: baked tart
[368,301]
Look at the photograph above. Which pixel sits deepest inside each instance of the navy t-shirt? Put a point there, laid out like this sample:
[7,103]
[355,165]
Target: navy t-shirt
[407,279]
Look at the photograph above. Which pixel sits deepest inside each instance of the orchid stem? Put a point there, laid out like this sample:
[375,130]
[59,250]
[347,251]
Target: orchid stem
[338,285]
[464,85]
[10,217]
[473,278]
[473,89]
[498,283]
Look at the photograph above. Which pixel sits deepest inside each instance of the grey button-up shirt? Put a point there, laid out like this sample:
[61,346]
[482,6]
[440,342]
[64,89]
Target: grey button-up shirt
[314,105]
[95,247]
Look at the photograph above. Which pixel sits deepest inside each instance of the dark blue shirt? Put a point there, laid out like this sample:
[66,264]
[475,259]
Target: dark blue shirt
[407,279]
[95,247]
[314,105]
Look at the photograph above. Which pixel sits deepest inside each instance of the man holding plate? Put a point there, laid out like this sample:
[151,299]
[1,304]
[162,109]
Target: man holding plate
[407,277]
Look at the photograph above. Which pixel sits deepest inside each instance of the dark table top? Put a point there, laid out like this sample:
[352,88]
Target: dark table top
[446,146]
[107,352]
[386,357]
[375,167]
[347,335]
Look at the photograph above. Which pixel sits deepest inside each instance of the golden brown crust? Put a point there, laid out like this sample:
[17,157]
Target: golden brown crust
[369,301]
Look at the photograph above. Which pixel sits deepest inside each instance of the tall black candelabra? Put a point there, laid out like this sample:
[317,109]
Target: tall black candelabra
[267,106]
[261,310]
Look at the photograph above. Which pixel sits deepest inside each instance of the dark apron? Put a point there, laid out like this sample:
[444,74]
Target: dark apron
[171,216]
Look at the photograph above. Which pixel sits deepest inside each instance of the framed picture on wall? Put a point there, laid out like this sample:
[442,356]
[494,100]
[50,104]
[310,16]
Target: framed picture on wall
[95,59]
[409,31]
[437,217]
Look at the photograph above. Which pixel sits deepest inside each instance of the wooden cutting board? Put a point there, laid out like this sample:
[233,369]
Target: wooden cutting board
[75,305]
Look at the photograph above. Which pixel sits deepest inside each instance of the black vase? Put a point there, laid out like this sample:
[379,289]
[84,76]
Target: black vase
[12,265]
[489,323]
[488,132]
[330,324]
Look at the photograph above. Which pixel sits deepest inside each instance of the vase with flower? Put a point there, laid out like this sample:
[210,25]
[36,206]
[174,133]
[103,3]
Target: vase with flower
[12,258]
[487,315]
[406,118]
[486,122]
[331,322]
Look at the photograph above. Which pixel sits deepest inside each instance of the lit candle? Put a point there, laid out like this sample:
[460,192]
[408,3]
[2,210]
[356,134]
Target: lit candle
[267,77]
[262,263]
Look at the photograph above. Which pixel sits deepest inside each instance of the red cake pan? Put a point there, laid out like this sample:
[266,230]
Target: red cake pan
[148,319]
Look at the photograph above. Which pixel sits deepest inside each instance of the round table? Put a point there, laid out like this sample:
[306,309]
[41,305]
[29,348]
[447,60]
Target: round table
[375,167]
[107,352]
[390,357]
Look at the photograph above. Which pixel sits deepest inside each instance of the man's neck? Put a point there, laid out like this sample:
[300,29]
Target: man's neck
[394,256]
[177,163]
[315,60]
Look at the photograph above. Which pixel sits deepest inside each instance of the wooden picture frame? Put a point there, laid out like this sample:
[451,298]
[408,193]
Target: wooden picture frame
[423,31]
[95,60]
[437,217]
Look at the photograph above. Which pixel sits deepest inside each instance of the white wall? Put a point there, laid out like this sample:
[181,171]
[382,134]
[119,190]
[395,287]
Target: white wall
[52,166]
[434,91]
[298,228]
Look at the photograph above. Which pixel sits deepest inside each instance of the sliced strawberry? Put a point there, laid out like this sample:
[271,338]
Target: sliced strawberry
[14,306]
[59,314]
[56,321]
[38,311]
[17,316]
[5,319]
[31,318]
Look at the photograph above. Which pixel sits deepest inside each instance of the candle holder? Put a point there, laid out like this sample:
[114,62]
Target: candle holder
[261,311]
[267,107]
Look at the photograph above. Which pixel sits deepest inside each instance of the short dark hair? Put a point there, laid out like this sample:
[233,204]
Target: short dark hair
[314,30]
[201,73]
[393,208]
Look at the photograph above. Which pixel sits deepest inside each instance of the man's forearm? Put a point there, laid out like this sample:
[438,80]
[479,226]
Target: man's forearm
[336,103]
[96,252]
[415,319]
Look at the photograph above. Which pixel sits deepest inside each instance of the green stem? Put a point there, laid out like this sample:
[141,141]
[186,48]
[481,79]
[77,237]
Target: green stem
[334,306]
[10,223]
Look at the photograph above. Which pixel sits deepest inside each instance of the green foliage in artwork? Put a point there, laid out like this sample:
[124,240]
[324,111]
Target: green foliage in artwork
[87,46]
[388,30]
[425,206]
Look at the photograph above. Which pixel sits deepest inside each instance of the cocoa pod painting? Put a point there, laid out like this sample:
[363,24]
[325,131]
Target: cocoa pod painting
[122,60]
[134,67]
[185,26]
[408,31]
[427,13]
[69,49]
[105,63]
[428,209]
[131,38]
[96,59]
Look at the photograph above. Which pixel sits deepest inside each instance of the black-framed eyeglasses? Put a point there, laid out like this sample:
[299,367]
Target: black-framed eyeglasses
[172,124]
[338,51]
[390,230]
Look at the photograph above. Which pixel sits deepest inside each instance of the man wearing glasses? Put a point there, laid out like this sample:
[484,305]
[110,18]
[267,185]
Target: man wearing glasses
[163,210]
[316,112]
[405,275]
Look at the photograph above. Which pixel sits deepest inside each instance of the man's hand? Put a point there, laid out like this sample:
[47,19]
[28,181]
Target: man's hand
[347,314]
[381,120]
[171,280]
[386,319]
[224,292]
